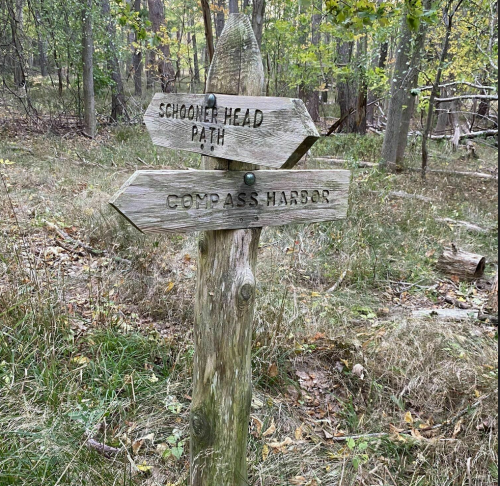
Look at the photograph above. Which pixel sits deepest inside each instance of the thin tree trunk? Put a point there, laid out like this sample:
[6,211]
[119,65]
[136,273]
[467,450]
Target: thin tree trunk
[15,10]
[258,16]
[42,47]
[118,103]
[380,62]
[312,96]
[222,375]
[164,65]
[196,60]
[351,94]
[88,70]
[220,18]
[435,91]
[137,58]
[209,32]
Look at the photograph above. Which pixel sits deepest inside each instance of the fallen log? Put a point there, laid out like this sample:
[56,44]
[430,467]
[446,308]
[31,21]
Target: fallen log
[477,175]
[361,164]
[464,265]
[405,195]
[463,224]
[451,314]
[103,449]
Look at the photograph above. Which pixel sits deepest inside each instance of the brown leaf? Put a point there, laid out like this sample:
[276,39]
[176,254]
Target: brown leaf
[299,433]
[458,429]
[136,446]
[273,371]
[258,426]
[270,431]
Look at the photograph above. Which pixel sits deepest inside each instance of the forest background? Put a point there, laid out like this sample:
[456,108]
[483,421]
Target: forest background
[354,382]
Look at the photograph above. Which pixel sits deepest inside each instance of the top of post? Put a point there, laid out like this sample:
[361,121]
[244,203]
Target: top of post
[237,65]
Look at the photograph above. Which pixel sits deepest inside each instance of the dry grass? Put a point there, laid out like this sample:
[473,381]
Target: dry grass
[89,343]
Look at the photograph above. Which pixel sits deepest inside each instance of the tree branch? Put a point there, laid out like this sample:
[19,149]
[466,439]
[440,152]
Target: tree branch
[467,97]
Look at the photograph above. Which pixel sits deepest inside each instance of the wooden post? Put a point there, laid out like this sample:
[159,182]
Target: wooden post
[222,376]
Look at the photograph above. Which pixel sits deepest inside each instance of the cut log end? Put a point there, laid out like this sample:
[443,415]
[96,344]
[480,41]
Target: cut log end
[464,265]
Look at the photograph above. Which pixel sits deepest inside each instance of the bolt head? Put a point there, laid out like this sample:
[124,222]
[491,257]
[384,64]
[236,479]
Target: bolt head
[250,179]
[211,101]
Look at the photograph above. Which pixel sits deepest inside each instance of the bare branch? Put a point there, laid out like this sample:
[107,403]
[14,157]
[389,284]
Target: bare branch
[467,97]
[459,83]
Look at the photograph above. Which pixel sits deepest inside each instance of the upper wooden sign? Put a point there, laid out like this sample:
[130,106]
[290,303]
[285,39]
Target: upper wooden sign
[273,132]
[186,201]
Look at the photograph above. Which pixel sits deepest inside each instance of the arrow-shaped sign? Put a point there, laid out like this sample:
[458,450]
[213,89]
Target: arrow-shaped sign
[273,132]
[186,201]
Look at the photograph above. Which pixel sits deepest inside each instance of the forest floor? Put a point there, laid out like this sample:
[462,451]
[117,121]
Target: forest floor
[352,386]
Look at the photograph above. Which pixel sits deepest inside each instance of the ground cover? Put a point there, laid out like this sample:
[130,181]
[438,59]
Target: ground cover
[350,387]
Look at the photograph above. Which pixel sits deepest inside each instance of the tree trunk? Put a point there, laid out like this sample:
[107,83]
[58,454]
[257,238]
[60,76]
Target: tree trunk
[234,7]
[258,17]
[42,47]
[88,70]
[351,94]
[137,58]
[411,99]
[312,97]
[118,103]
[398,98]
[196,59]
[220,18]
[15,10]
[222,376]
[435,90]
[164,65]
[209,32]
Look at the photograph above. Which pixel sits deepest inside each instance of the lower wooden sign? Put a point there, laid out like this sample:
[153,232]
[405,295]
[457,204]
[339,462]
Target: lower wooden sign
[188,201]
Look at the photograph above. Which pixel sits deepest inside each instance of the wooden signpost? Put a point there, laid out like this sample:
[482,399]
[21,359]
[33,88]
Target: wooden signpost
[275,132]
[231,195]
[184,201]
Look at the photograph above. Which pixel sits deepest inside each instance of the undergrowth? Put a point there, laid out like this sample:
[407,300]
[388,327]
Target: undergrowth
[99,345]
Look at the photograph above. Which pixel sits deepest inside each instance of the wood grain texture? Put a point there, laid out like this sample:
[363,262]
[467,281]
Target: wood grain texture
[467,266]
[274,132]
[187,201]
[225,298]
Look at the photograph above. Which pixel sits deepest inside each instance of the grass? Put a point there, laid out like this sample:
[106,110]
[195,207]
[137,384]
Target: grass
[95,345]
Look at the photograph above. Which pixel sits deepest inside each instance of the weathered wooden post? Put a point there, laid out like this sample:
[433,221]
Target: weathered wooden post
[231,126]
[225,297]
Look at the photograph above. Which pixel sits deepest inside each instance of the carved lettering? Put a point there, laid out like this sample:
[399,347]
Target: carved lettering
[283,200]
[214,199]
[229,202]
[169,202]
[162,110]
[254,202]
[229,116]
[201,199]
[242,200]
[247,121]
[234,201]
[175,111]
[259,118]
[220,138]
[195,132]
[237,112]
[191,113]
[187,201]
